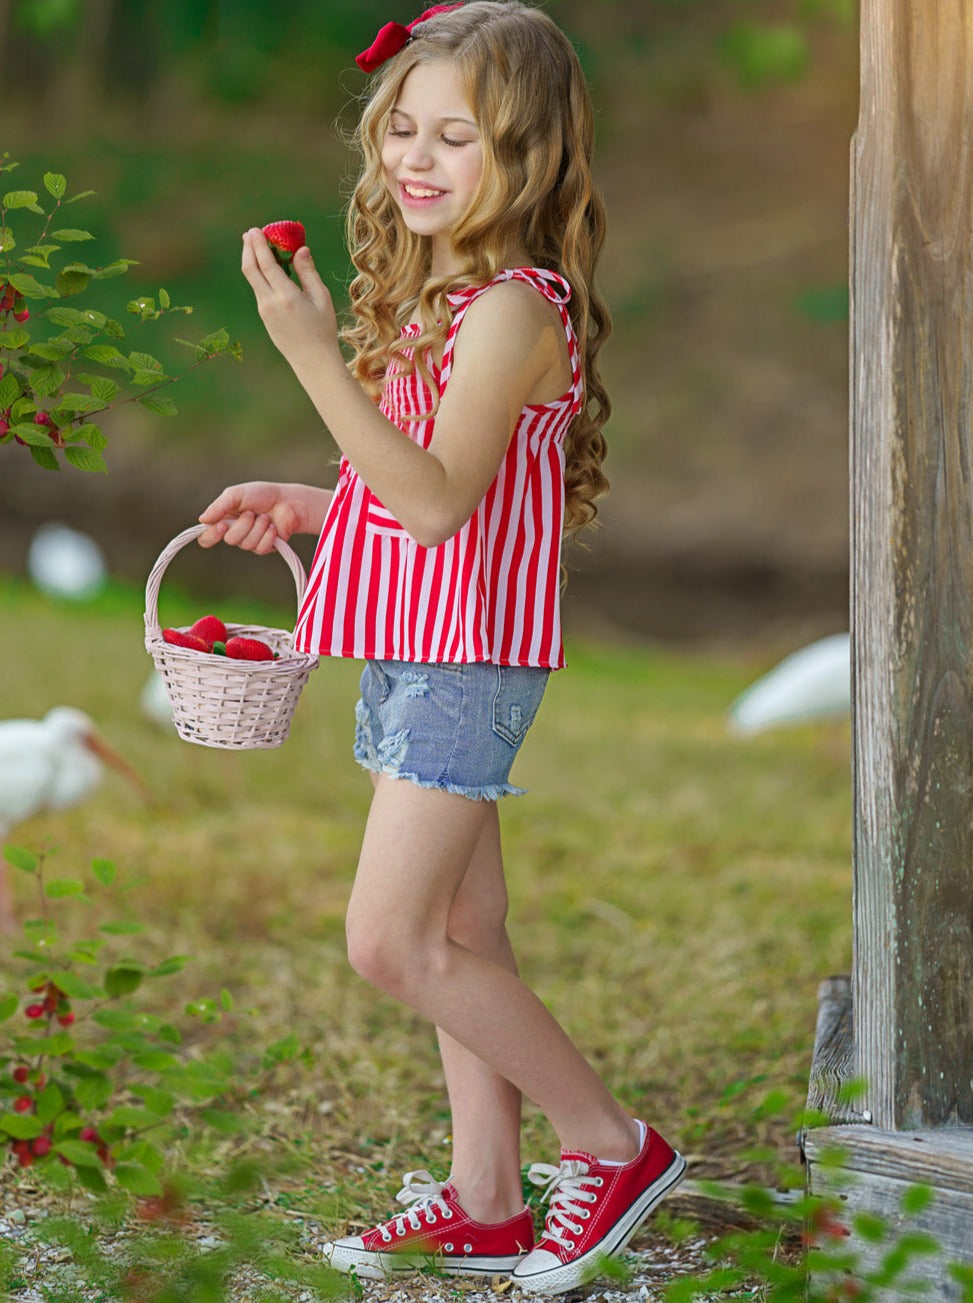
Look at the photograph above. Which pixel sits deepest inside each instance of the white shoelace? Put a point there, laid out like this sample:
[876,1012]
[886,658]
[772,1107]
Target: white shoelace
[422,1192]
[564,1189]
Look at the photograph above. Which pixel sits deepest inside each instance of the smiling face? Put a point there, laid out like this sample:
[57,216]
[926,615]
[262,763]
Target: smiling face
[432,156]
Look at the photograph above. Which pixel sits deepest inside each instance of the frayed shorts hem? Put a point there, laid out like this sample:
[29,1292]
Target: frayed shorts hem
[489,792]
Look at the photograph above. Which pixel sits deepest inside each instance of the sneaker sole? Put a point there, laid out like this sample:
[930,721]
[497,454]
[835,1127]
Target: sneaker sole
[378,1266]
[585,1268]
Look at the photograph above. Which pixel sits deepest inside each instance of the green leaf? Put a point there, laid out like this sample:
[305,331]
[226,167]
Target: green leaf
[108,355]
[104,871]
[92,1178]
[17,337]
[75,317]
[155,1060]
[45,458]
[53,351]
[79,1152]
[61,888]
[159,404]
[55,184]
[90,434]
[121,929]
[137,1179]
[117,268]
[72,280]
[122,979]
[174,964]
[146,362]
[69,235]
[82,194]
[7,241]
[130,1118]
[21,199]
[164,300]
[74,986]
[46,380]
[222,1120]
[104,389]
[94,1092]
[50,1103]
[30,287]
[74,404]
[21,859]
[216,343]
[20,1126]
[159,1101]
[226,1000]
[9,1004]
[916,1199]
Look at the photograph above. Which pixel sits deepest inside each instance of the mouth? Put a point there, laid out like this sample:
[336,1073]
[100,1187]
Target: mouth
[419,194]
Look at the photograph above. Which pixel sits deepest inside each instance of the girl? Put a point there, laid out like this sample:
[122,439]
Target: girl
[470,426]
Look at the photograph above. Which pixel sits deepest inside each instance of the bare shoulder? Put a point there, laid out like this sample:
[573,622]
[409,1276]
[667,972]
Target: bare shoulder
[516,305]
[513,320]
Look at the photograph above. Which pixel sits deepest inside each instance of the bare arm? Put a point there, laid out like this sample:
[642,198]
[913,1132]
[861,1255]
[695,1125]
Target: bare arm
[510,351]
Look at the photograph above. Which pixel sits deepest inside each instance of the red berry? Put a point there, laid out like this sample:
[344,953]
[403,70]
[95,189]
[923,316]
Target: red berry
[41,1146]
[34,1011]
[285,237]
[22,315]
[21,1074]
[66,1019]
[89,1133]
[22,1149]
[248,649]
[210,628]
[42,418]
[180,639]
[24,1104]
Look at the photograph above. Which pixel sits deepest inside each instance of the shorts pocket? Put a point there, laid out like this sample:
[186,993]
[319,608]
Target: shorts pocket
[518,697]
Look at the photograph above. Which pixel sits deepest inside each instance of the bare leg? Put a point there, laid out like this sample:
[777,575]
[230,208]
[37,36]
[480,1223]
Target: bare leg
[417,848]
[485,1106]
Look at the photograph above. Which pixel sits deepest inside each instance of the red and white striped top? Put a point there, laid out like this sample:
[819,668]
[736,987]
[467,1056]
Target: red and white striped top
[489,593]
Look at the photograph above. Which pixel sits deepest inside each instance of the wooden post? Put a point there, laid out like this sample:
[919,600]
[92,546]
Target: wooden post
[912,599]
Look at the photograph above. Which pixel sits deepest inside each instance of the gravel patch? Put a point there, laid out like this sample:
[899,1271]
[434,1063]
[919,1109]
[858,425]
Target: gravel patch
[649,1265]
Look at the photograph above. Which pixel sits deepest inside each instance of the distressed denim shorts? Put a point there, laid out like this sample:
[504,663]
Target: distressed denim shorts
[453,727]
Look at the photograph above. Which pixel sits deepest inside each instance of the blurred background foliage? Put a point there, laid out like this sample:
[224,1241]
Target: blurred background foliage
[723,131]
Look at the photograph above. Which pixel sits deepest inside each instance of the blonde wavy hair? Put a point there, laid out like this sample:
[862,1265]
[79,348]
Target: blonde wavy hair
[529,97]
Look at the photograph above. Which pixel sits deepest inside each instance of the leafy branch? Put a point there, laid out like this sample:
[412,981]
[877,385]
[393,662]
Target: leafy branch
[52,388]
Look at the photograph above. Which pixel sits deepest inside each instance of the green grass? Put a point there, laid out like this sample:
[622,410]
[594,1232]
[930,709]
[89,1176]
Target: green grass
[676,893]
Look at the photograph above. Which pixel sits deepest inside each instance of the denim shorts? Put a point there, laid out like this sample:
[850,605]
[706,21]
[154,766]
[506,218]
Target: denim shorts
[452,727]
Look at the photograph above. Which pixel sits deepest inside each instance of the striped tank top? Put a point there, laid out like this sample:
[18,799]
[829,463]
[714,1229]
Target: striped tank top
[489,593]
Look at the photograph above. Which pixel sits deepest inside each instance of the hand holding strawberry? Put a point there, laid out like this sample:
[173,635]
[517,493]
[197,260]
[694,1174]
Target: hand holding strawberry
[285,238]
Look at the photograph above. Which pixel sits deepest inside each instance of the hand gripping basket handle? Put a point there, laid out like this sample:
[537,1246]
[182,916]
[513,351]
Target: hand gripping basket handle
[178,543]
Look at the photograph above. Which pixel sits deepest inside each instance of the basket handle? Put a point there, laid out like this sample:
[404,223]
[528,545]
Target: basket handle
[176,545]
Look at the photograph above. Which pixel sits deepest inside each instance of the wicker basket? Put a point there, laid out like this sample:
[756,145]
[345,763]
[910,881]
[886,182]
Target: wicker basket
[220,702]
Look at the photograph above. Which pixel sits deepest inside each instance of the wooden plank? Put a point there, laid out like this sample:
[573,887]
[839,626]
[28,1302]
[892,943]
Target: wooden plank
[877,1170]
[912,522]
[833,1059]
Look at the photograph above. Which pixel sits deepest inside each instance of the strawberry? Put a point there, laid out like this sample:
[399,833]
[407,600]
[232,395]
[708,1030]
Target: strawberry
[285,237]
[248,649]
[179,639]
[210,628]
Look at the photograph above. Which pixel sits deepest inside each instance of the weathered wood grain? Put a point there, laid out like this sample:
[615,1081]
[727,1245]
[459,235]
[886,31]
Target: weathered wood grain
[877,1169]
[833,1060]
[912,525]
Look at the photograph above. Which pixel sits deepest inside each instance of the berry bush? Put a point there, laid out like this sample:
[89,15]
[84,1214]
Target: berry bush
[64,366]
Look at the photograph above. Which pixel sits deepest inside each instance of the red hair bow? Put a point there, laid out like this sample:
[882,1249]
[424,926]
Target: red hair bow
[392,37]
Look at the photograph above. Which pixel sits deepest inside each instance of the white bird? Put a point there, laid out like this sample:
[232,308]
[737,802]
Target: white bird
[154,701]
[49,764]
[813,683]
[65,563]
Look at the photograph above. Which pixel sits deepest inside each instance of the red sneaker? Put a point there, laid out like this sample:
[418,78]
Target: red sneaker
[595,1210]
[434,1226]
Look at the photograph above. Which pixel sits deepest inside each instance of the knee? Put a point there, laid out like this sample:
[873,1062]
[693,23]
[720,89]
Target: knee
[388,955]
[479,925]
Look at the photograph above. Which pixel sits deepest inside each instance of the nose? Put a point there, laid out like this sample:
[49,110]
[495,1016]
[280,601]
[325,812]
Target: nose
[418,156]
